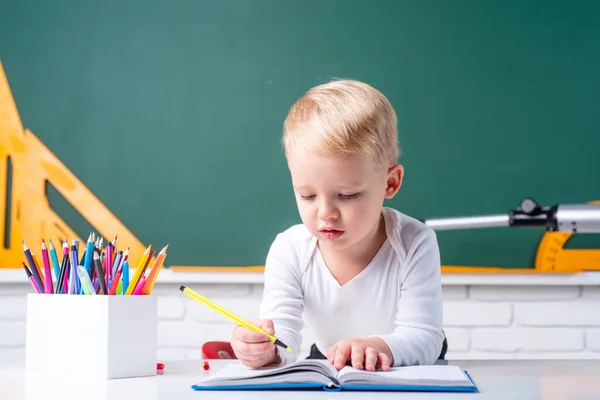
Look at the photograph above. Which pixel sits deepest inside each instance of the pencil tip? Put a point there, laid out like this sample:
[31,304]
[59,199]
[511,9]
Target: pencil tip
[182,288]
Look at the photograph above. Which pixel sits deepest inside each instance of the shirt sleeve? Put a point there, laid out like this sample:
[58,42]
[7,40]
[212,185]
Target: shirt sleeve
[418,335]
[283,300]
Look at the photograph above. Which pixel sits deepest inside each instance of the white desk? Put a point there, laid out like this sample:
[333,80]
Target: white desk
[502,379]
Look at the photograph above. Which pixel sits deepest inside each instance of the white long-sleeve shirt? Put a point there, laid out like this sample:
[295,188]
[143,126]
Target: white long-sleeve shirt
[397,297]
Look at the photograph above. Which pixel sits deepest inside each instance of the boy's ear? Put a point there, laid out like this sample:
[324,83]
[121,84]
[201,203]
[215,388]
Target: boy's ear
[394,180]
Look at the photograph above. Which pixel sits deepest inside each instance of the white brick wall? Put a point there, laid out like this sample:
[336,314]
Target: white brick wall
[480,321]
[537,322]
[592,339]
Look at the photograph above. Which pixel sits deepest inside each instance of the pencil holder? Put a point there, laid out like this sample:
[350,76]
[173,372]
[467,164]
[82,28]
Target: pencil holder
[93,336]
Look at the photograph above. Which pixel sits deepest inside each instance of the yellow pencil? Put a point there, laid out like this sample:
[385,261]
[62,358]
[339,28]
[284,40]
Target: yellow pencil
[238,320]
[138,271]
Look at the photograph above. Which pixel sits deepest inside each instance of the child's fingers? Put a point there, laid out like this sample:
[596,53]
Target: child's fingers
[256,361]
[358,356]
[255,358]
[266,325]
[383,361]
[251,349]
[249,336]
[341,355]
[371,358]
[331,353]
[253,354]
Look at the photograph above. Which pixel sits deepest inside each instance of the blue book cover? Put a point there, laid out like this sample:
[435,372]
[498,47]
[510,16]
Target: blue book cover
[321,375]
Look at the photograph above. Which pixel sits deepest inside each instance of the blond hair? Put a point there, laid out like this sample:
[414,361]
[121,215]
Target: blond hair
[344,117]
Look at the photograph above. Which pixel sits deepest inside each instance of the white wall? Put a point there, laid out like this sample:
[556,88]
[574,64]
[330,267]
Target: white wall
[481,321]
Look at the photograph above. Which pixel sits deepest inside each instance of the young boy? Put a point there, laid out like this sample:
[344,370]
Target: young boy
[365,278]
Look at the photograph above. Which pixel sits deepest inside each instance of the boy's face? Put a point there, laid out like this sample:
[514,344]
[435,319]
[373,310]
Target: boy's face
[340,198]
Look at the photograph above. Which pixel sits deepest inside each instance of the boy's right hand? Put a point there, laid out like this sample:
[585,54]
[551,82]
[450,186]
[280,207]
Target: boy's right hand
[254,349]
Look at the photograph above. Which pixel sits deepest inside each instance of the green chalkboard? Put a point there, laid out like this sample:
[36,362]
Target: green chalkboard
[171,112]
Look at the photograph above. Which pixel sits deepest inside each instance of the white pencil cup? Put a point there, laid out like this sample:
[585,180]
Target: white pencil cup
[95,336]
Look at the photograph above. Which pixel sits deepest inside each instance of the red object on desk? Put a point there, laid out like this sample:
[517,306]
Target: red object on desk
[218,351]
[206,366]
[160,366]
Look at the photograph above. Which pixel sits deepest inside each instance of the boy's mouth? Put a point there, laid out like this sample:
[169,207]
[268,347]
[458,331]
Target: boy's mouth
[331,233]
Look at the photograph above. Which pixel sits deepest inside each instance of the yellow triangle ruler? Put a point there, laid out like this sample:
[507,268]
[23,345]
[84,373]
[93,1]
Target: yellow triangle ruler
[30,215]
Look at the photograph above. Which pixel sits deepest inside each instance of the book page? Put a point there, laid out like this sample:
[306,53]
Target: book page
[420,375]
[304,371]
[240,371]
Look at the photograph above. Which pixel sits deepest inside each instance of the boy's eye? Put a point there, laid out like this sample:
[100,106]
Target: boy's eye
[349,196]
[307,196]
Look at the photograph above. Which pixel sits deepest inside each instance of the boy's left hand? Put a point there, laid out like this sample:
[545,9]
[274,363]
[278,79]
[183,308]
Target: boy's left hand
[370,353]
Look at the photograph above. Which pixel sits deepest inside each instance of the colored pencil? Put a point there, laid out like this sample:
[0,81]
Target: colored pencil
[32,266]
[87,258]
[74,285]
[31,279]
[65,253]
[125,277]
[151,280]
[54,258]
[139,270]
[100,273]
[48,288]
[108,268]
[238,320]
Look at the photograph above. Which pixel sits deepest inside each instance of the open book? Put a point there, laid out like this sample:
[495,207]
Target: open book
[320,374]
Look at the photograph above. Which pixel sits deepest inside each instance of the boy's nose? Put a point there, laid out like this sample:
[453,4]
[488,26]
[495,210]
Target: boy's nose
[328,211]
